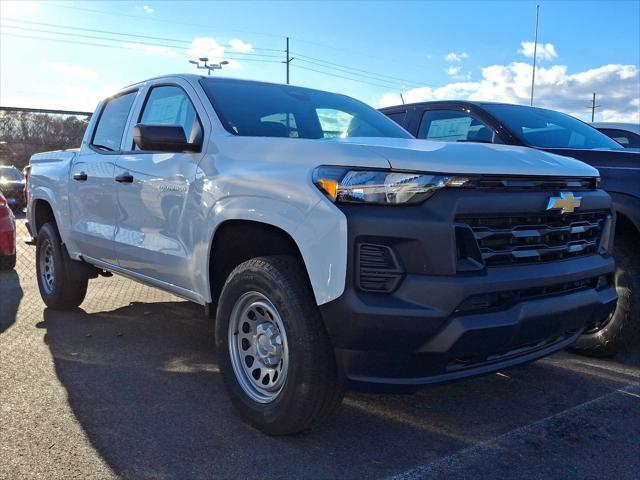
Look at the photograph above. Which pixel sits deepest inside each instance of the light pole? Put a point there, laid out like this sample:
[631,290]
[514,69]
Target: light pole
[208,66]
[535,53]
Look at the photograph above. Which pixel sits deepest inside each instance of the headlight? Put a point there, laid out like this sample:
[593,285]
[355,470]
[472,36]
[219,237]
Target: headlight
[386,187]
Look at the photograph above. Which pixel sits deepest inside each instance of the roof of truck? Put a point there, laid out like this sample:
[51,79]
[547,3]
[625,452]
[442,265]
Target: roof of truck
[194,77]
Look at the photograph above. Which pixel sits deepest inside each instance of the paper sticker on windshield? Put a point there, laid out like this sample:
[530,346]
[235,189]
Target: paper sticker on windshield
[449,129]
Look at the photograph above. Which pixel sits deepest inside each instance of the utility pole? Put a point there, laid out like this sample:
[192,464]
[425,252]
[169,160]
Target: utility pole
[288,60]
[401,98]
[593,107]
[535,53]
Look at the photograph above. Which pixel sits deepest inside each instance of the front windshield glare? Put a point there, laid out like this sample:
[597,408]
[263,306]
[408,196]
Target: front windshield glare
[543,128]
[269,110]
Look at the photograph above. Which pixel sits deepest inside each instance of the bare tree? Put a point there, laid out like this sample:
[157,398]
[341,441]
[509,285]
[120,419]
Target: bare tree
[24,133]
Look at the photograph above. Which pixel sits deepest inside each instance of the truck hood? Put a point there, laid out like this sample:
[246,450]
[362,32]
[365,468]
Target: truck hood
[470,158]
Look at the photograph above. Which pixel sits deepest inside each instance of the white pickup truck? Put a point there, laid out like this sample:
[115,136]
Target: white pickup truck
[331,248]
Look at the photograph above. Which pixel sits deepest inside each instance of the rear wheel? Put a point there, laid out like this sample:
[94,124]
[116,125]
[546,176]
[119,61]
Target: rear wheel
[621,330]
[273,350]
[57,289]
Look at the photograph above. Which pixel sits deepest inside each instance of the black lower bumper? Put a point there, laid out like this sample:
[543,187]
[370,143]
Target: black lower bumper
[464,345]
[440,327]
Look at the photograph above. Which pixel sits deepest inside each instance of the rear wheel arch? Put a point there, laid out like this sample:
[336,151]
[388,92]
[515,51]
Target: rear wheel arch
[42,214]
[236,241]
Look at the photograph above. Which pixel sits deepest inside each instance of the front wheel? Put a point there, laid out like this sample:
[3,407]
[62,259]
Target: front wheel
[621,330]
[57,289]
[273,350]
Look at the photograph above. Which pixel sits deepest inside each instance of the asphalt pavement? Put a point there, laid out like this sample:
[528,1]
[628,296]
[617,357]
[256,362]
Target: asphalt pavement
[127,386]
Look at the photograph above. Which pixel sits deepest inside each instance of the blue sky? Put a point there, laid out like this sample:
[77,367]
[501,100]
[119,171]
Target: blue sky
[426,50]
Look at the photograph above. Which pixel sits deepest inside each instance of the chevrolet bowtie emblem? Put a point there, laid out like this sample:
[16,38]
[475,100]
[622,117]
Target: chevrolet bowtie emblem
[566,202]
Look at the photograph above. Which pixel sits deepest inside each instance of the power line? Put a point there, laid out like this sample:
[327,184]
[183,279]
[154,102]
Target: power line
[174,22]
[362,76]
[360,54]
[60,40]
[303,58]
[93,44]
[355,71]
[71,27]
[346,78]
[94,37]
[210,26]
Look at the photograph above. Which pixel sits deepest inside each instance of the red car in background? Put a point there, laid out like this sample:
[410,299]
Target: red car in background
[7,236]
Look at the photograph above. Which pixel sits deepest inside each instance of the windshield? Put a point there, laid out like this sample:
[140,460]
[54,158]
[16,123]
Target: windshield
[269,110]
[548,129]
[9,174]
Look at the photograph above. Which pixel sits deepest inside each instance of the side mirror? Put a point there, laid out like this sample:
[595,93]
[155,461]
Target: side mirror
[163,138]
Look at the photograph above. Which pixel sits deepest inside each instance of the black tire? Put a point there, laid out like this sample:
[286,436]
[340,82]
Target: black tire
[311,389]
[64,292]
[622,330]
[8,262]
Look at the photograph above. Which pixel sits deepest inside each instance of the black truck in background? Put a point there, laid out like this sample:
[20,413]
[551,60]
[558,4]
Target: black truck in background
[555,132]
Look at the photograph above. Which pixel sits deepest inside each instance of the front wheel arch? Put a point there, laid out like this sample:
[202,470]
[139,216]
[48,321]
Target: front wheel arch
[236,241]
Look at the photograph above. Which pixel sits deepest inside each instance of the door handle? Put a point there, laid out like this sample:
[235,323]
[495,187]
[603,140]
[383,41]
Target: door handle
[80,176]
[124,178]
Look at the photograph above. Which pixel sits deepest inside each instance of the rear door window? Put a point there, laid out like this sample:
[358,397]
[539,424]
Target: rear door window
[454,126]
[624,138]
[112,122]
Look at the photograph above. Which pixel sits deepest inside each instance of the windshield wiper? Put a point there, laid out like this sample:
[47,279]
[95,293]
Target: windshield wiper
[103,147]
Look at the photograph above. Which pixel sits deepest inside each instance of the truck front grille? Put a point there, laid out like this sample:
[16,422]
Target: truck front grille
[519,239]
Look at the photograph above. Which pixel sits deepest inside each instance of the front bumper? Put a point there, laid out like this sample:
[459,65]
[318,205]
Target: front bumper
[437,324]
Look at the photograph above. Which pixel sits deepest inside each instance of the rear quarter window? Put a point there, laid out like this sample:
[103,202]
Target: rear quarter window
[112,122]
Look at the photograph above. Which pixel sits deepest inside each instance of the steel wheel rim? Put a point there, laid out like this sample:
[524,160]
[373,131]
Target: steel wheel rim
[258,347]
[47,267]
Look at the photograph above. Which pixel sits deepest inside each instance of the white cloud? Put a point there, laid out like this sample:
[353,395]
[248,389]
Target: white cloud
[233,64]
[616,86]
[239,46]
[153,49]
[545,51]
[70,69]
[206,47]
[455,57]
[453,71]
[146,9]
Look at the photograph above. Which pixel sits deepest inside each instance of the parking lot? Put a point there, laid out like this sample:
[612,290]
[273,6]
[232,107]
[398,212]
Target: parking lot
[127,387]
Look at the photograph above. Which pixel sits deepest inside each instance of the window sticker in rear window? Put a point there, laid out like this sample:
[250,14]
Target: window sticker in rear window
[449,129]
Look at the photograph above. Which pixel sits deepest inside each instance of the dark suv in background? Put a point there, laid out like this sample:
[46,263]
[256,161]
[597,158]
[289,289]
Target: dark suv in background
[555,132]
[12,187]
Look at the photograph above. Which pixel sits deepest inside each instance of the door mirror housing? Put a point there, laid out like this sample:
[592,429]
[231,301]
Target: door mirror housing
[163,138]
